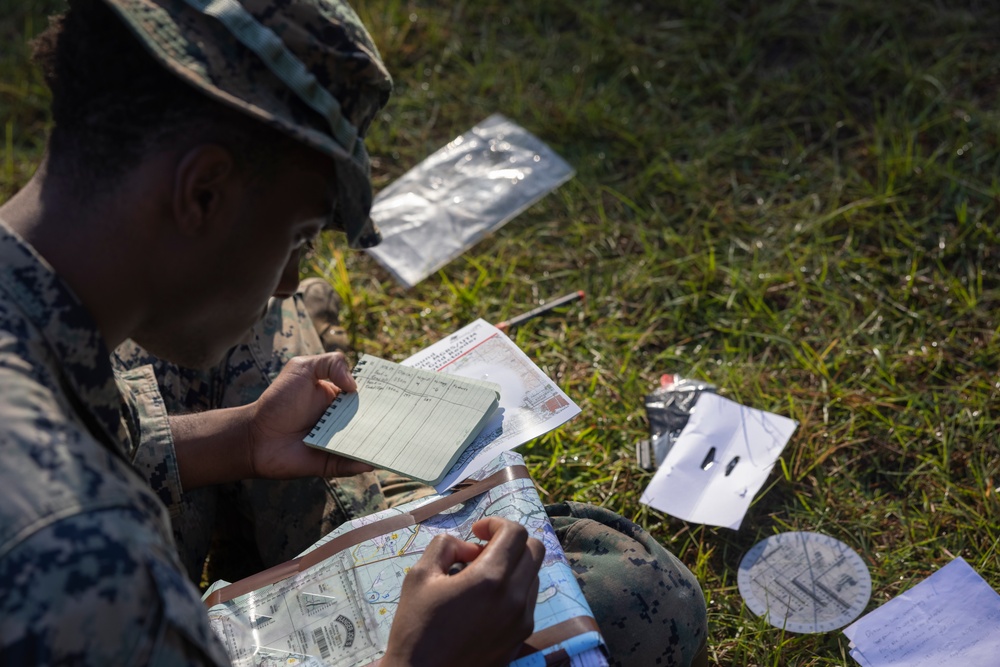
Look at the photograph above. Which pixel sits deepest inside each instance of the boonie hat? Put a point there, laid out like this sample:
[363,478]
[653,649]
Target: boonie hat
[264,57]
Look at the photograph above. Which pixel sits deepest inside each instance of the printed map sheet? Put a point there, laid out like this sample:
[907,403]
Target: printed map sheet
[530,403]
[339,612]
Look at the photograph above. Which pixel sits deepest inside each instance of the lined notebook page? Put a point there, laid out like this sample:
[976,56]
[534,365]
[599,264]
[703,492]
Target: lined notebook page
[407,420]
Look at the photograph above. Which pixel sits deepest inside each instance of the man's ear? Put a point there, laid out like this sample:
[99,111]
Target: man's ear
[205,186]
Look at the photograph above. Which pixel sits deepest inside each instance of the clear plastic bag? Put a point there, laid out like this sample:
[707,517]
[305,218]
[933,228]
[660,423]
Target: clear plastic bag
[668,409]
[464,191]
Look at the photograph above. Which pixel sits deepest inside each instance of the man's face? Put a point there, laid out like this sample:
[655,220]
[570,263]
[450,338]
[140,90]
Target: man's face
[220,291]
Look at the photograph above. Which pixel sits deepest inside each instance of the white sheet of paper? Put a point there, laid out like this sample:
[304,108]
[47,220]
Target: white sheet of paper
[531,404]
[950,618]
[720,460]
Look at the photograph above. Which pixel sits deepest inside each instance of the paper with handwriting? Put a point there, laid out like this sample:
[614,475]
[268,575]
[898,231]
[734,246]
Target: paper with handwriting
[950,618]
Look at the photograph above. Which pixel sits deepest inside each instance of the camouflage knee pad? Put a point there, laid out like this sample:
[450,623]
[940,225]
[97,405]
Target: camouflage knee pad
[649,606]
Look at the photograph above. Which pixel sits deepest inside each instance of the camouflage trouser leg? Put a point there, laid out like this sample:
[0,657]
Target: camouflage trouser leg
[255,524]
[648,605]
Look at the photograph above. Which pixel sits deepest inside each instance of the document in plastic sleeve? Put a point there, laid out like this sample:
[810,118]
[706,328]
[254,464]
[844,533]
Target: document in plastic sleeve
[339,611]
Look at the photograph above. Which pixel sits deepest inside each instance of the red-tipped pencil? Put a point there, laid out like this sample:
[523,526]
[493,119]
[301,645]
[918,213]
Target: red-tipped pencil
[541,310]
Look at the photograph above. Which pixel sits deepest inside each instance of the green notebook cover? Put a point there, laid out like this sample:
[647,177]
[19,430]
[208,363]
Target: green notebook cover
[410,421]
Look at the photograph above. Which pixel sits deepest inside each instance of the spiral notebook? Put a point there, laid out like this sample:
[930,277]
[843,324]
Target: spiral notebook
[407,420]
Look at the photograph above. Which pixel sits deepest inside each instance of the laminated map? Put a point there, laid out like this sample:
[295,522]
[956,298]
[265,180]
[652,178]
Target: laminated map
[338,611]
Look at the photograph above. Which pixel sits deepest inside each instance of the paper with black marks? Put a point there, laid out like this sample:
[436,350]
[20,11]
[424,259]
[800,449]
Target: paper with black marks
[719,462]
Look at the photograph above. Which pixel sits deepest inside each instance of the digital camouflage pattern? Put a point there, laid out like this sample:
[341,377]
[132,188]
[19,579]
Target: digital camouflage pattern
[323,87]
[649,606]
[255,523]
[88,570]
[89,573]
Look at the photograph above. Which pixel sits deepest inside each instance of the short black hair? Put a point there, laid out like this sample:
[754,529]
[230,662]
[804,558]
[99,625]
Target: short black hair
[113,103]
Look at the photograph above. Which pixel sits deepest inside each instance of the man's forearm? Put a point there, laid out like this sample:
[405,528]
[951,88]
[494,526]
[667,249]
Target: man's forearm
[212,447]
[264,439]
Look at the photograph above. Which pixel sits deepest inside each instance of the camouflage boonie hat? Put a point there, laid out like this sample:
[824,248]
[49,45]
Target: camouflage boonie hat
[260,56]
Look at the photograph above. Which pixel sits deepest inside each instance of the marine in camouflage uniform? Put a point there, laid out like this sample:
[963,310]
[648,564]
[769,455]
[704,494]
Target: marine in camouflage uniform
[255,523]
[648,604]
[84,532]
[82,536]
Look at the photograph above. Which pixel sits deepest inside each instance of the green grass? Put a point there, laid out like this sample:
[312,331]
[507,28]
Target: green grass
[795,200]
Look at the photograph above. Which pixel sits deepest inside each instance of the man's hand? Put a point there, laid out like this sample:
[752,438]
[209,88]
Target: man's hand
[479,616]
[287,411]
[264,439]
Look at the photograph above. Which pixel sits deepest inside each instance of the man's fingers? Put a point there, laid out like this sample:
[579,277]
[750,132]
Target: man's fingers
[486,529]
[537,550]
[446,550]
[332,390]
[505,538]
[336,370]
[517,558]
[330,367]
[339,466]
[525,572]
[510,550]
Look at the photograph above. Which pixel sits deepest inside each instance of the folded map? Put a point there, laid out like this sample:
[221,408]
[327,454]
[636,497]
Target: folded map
[335,604]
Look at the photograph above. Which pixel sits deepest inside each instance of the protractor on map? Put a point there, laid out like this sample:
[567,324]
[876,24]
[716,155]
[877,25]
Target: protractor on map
[804,582]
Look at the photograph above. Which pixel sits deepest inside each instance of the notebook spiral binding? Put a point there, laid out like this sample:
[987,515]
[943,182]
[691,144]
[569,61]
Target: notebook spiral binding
[333,405]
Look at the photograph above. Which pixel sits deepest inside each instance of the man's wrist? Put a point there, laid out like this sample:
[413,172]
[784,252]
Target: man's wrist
[214,447]
[251,436]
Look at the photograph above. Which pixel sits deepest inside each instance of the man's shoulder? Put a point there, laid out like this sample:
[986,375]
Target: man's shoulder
[20,341]
[30,367]
[53,466]
[101,587]
[88,571]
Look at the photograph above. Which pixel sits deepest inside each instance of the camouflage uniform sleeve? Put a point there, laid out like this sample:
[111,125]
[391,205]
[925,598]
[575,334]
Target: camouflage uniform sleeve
[146,429]
[101,588]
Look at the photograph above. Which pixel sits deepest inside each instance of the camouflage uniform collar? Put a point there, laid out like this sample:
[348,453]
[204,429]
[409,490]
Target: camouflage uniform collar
[69,332]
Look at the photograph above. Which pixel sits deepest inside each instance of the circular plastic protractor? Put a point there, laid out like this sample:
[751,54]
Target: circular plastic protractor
[804,582]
